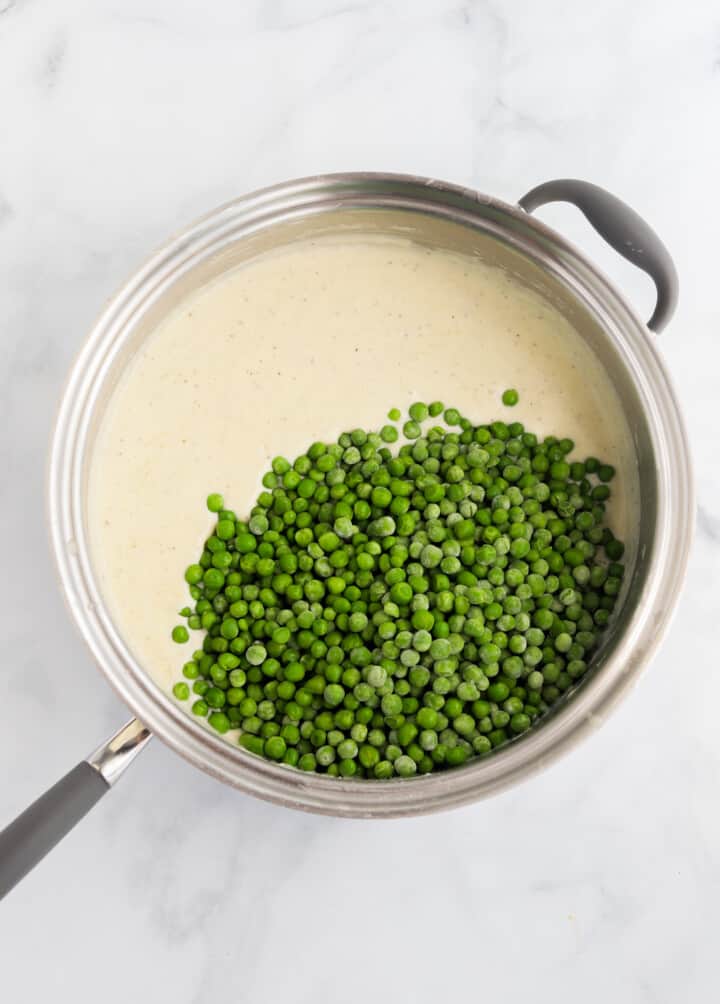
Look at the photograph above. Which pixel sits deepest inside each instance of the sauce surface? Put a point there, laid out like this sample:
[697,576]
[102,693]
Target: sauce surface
[301,345]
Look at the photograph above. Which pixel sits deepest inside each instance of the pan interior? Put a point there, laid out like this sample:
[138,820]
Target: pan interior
[385,229]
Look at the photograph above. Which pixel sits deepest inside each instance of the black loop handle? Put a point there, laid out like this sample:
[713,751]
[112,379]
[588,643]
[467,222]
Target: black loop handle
[623,229]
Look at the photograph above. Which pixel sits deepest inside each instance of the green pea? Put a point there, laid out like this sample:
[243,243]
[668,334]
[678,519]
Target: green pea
[411,429]
[388,610]
[418,412]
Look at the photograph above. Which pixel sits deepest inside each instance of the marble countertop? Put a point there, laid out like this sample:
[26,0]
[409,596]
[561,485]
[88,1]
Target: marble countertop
[120,122]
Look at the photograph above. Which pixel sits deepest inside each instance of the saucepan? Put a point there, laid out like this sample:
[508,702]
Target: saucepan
[439,215]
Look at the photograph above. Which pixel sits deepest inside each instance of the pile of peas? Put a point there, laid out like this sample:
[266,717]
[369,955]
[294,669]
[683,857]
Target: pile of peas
[385,612]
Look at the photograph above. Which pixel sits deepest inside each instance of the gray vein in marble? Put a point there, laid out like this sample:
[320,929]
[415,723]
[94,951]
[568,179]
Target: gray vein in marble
[335,12]
[470,13]
[6,210]
[53,62]
[494,111]
[489,25]
[512,118]
[708,524]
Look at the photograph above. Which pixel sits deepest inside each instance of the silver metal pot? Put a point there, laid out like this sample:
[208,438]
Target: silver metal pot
[437,215]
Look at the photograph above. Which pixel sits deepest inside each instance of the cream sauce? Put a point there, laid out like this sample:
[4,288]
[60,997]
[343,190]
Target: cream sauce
[298,346]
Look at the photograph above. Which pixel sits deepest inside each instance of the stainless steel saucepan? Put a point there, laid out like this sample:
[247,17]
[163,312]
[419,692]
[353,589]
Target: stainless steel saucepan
[438,215]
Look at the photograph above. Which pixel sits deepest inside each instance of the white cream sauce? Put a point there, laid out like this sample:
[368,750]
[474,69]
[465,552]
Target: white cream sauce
[301,345]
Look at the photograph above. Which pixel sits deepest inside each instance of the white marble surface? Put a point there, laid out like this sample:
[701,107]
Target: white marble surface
[119,122]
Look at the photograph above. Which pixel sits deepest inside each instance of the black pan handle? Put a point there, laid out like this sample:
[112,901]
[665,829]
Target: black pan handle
[26,841]
[623,229]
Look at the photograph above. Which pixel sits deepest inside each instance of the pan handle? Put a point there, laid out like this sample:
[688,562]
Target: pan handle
[623,229]
[26,841]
